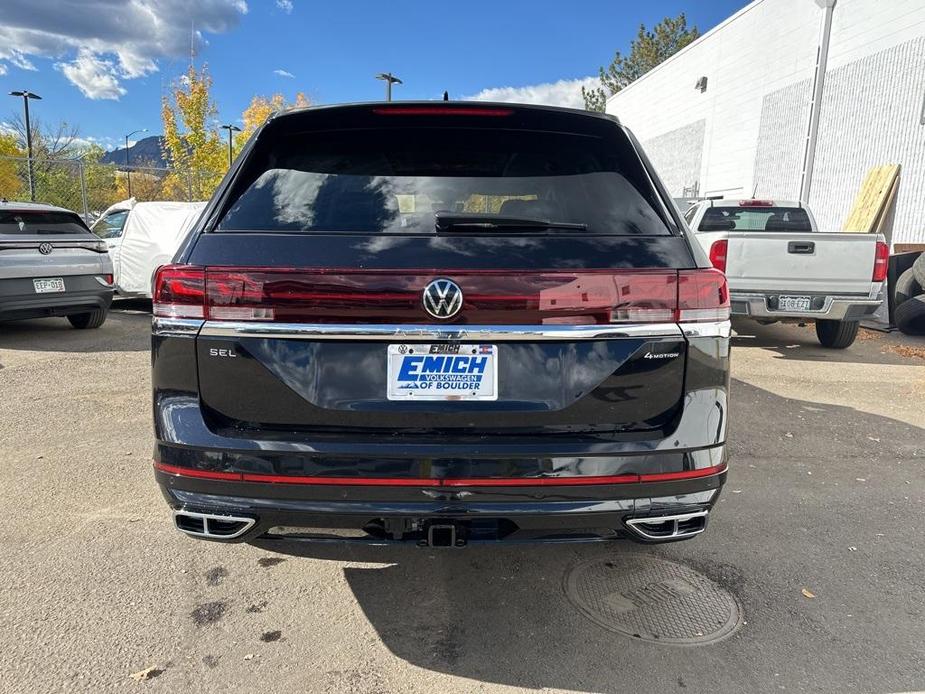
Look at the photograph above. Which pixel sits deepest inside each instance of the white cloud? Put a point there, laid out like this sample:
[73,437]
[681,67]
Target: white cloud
[95,77]
[99,43]
[561,93]
[284,5]
[2,69]
[283,73]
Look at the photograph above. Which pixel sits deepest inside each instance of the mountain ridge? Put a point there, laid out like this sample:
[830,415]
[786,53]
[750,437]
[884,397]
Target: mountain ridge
[145,152]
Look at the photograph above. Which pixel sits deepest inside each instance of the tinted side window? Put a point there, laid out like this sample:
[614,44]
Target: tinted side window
[393,181]
[111,226]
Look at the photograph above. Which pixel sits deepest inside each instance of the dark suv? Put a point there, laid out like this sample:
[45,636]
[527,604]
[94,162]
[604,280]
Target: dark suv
[441,323]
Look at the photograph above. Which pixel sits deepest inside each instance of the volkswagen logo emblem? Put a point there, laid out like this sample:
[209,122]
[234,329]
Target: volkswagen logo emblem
[45,248]
[442,298]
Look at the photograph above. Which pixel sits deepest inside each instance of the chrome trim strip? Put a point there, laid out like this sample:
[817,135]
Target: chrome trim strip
[176,327]
[674,519]
[248,524]
[707,329]
[412,333]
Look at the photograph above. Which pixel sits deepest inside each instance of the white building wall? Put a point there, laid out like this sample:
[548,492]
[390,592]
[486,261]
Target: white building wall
[753,116]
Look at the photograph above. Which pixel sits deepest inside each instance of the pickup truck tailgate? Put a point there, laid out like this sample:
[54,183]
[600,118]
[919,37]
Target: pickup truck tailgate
[818,262]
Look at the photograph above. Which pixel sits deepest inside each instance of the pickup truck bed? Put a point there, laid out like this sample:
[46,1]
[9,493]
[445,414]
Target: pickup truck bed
[779,266]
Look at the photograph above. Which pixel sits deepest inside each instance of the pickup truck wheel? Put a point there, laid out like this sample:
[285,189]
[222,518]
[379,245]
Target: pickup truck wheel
[909,316]
[93,319]
[918,269]
[837,334]
[907,286]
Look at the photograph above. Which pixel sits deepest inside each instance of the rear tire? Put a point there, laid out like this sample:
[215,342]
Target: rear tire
[907,286]
[837,334]
[909,316]
[93,319]
[918,269]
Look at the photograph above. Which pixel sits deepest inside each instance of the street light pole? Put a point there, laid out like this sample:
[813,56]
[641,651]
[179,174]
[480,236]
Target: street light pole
[231,129]
[26,95]
[128,172]
[390,79]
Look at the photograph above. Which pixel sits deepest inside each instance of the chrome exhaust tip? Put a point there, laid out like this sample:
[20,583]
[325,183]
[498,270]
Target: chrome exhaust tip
[673,527]
[211,525]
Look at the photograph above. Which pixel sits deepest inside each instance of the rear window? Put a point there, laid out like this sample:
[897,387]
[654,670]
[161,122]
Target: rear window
[28,222]
[394,181]
[755,219]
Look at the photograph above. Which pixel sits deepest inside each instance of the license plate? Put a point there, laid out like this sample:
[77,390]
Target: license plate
[794,303]
[442,371]
[49,285]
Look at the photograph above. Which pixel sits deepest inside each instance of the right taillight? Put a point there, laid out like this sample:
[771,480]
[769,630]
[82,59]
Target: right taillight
[703,295]
[881,262]
[718,254]
[179,292]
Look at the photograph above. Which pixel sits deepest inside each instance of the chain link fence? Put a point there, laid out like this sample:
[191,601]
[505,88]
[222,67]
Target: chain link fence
[89,187]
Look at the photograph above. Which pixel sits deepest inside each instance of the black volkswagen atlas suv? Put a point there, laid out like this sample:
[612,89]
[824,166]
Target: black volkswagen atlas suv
[440,323]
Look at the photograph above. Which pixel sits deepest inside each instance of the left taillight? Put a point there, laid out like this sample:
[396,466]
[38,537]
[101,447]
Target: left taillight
[179,292]
[881,262]
[718,252]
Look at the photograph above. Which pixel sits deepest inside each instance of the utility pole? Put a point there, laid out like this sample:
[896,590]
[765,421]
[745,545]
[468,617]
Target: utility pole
[815,109]
[390,79]
[128,163]
[26,95]
[231,129]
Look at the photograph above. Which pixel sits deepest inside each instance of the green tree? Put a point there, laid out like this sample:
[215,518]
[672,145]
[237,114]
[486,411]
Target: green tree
[58,181]
[11,182]
[647,50]
[192,146]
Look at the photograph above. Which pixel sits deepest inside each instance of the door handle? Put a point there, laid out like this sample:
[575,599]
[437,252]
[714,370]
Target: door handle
[805,247]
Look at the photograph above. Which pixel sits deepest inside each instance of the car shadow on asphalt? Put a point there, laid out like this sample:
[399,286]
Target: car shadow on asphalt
[127,329]
[791,342]
[499,613]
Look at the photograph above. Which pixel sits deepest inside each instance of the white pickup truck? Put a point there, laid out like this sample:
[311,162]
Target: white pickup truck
[781,267]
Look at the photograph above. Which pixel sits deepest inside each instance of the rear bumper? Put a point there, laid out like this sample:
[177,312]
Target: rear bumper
[763,306]
[568,509]
[84,293]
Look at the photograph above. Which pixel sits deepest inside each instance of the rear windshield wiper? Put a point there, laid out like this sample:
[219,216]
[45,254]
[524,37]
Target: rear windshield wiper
[452,221]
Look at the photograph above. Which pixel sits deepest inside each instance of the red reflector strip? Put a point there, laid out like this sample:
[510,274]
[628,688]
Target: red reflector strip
[192,472]
[683,475]
[441,111]
[460,482]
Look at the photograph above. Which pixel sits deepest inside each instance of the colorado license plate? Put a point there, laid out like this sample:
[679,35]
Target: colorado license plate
[442,371]
[794,303]
[48,285]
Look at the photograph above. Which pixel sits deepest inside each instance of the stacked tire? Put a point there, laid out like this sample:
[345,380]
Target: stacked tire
[909,303]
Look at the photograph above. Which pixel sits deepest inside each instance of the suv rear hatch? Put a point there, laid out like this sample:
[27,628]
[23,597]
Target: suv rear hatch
[29,236]
[312,275]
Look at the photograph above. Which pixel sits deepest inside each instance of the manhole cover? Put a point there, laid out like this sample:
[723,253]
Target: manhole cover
[652,600]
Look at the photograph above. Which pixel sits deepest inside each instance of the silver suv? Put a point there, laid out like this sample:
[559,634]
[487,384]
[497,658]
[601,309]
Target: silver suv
[51,265]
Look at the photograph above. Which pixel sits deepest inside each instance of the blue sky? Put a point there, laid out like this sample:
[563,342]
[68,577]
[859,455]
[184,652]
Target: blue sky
[103,64]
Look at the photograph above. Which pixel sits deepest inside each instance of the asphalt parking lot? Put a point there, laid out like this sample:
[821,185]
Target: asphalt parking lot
[826,498]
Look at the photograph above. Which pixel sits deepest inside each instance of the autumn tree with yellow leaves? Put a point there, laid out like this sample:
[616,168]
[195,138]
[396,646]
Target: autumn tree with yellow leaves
[261,108]
[11,183]
[192,146]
